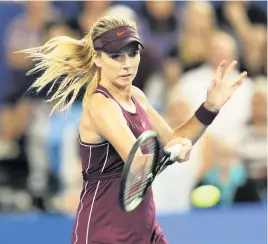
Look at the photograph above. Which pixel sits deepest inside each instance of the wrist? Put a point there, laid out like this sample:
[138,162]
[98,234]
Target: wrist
[206,115]
[210,107]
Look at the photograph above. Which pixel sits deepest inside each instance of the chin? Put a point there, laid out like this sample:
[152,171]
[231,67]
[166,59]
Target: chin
[123,82]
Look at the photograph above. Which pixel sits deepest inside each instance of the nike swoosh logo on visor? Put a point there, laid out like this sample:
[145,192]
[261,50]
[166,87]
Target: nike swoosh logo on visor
[121,33]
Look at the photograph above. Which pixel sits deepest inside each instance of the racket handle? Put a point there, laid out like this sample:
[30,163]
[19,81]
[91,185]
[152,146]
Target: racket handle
[174,152]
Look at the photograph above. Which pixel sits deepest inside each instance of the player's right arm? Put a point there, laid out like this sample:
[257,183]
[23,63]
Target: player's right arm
[111,124]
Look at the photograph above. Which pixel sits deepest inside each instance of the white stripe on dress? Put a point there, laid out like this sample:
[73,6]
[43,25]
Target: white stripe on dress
[89,217]
[92,145]
[77,221]
[89,159]
[91,209]
[107,153]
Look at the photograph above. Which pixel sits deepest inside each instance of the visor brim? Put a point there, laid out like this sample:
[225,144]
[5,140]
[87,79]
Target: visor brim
[116,46]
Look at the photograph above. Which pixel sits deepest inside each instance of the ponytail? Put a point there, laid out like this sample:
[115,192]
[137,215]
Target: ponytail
[71,61]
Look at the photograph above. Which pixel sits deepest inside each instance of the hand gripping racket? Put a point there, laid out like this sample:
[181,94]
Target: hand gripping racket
[146,159]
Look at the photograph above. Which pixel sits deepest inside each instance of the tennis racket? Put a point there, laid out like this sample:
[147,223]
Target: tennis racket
[145,161]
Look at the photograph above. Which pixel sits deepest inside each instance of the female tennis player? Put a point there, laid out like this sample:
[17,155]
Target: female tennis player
[114,114]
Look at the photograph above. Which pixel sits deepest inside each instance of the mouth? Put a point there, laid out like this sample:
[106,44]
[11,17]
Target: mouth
[125,76]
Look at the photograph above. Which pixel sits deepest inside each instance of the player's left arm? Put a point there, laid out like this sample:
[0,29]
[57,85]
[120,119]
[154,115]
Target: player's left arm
[220,90]
[192,129]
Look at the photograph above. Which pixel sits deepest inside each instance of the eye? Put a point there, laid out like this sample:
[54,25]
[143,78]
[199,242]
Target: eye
[134,54]
[115,56]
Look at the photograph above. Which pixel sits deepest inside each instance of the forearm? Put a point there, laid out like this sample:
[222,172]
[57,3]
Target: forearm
[196,126]
[218,93]
[193,129]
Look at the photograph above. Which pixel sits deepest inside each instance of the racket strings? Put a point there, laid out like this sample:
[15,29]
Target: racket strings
[136,186]
[140,172]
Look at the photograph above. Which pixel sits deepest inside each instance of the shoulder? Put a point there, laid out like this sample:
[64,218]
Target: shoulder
[100,106]
[138,94]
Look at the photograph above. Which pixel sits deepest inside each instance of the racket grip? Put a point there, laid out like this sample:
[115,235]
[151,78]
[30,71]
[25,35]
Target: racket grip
[174,152]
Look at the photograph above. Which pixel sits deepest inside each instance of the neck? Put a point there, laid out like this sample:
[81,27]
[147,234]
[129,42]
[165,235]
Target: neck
[118,91]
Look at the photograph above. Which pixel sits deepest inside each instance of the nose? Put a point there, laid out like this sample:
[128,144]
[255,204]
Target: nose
[126,61]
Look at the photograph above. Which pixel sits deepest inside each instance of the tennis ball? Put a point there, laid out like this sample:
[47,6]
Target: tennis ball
[205,196]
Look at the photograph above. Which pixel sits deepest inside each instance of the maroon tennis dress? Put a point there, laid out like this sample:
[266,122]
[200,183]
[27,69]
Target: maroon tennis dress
[99,217]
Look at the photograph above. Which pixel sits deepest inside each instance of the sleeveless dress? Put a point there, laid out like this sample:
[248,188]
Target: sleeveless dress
[99,217]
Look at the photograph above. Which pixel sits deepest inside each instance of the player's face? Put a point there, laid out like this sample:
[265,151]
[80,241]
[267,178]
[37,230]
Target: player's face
[121,68]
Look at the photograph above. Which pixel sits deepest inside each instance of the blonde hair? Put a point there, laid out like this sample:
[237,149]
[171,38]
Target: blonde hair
[70,63]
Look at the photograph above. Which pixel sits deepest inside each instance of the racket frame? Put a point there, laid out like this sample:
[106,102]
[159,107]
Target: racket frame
[157,166]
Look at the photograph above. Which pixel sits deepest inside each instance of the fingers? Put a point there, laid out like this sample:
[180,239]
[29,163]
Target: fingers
[230,68]
[243,74]
[185,150]
[184,154]
[234,82]
[220,70]
[187,157]
[239,81]
[218,75]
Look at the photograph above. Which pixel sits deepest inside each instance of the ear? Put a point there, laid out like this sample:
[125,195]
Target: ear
[97,60]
